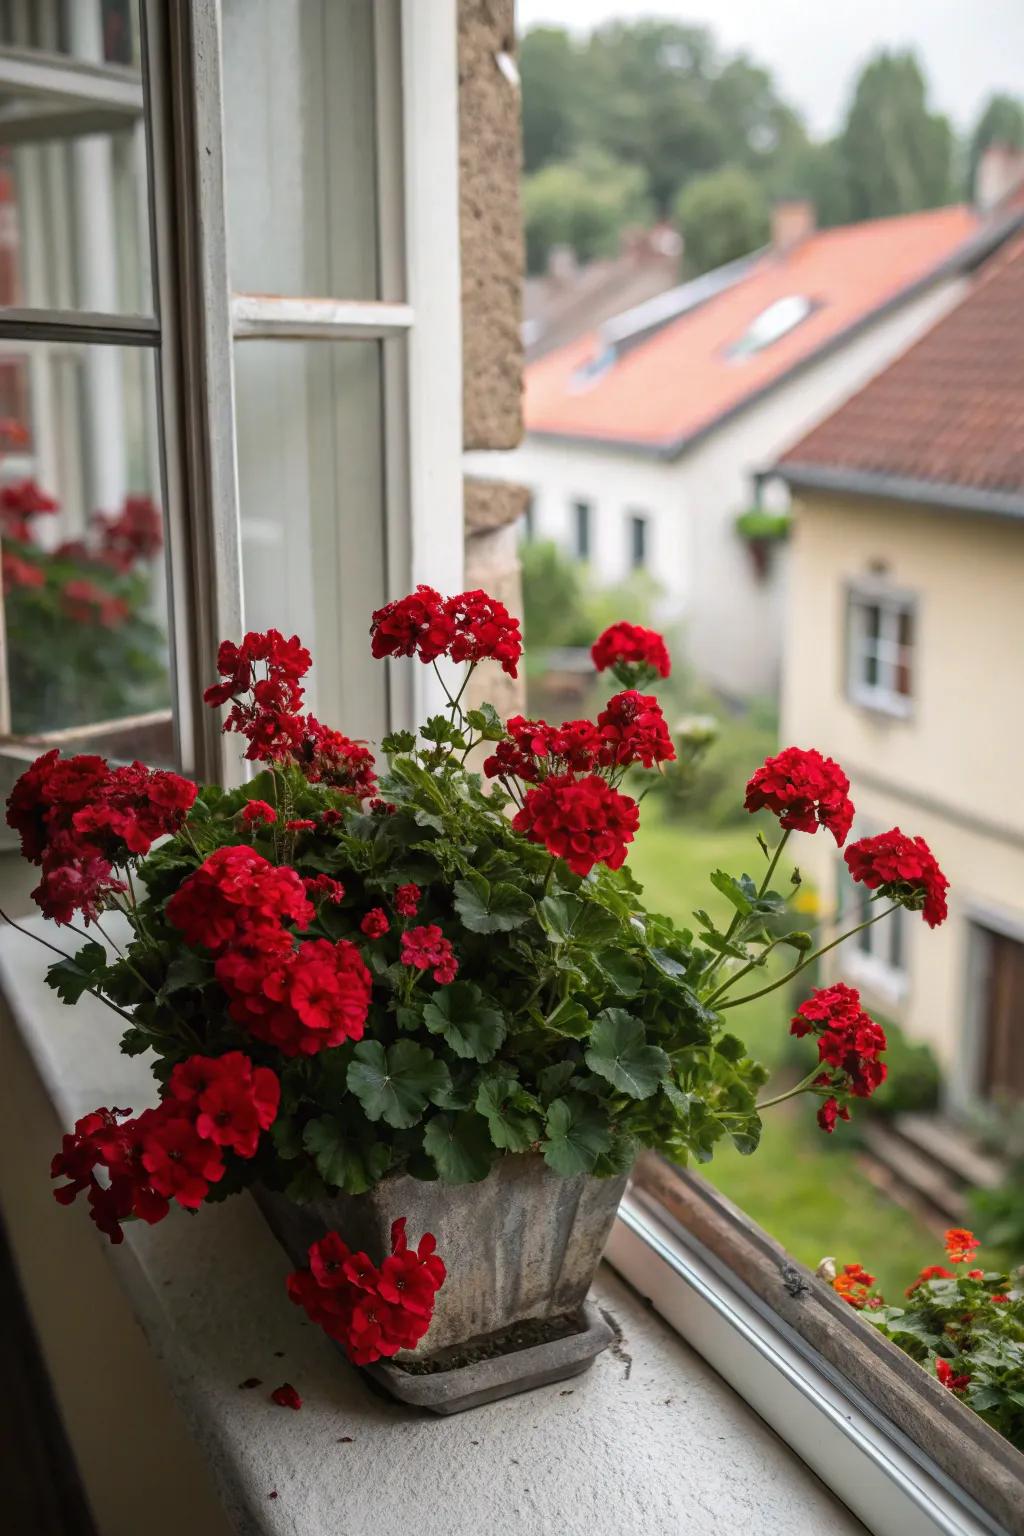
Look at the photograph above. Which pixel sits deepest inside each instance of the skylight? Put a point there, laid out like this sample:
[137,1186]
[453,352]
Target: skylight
[772,324]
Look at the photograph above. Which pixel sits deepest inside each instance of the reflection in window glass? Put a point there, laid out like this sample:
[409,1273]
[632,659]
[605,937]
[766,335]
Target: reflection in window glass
[300,151]
[881,650]
[84,590]
[311,488]
[73,207]
[54,26]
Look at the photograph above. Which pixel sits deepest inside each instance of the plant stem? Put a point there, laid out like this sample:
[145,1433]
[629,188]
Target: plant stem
[547,877]
[65,956]
[736,976]
[790,1093]
[810,959]
[738,916]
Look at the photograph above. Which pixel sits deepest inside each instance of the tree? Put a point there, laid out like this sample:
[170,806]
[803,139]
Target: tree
[549,65]
[897,155]
[721,216]
[1001,122]
[758,129]
[817,172]
[584,204]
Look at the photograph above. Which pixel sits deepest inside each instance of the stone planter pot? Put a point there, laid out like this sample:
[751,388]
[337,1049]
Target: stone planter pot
[522,1246]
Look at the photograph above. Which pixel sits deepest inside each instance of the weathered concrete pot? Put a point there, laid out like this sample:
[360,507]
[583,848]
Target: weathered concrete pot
[521,1245]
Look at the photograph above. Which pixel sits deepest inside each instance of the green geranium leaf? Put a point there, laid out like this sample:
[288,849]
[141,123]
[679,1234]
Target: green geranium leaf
[487,721]
[307,1185]
[395,1085]
[287,1138]
[472,1028]
[731,1048]
[577,1135]
[551,1081]
[398,741]
[623,970]
[135,1041]
[186,970]
[734,892]
[486,908]
[512,1114]
[460,1146]
[619,1158]
[342,1161]
[618,1053]
[570,1019]
[81,973]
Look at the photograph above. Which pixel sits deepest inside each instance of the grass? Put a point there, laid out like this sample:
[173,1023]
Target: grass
[807,1190]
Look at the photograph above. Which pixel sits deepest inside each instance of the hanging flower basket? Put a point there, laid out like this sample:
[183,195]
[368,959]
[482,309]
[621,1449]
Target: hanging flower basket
[425,1015]
[763,532]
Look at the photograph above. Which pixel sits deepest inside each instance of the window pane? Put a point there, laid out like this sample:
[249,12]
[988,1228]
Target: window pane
[73,204]
[310,459]
[53,25]
[904,655]
[581,529]
[638,542]
[300,147]
[85,597]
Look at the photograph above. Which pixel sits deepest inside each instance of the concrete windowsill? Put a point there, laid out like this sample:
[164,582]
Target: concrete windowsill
[651,1440]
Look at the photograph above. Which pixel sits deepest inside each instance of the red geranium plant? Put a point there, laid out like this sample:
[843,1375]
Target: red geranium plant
[346,971]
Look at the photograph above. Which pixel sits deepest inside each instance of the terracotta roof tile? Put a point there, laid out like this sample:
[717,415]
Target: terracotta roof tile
[683,378]
[950,411]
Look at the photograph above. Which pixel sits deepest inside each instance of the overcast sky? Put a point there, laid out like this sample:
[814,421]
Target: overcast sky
[969,47]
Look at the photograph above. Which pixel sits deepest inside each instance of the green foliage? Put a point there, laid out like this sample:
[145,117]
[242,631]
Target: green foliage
[1001,122]
[897,155]
[956,1321]
[584,204]
[758,523]
[721,216]
[554,598]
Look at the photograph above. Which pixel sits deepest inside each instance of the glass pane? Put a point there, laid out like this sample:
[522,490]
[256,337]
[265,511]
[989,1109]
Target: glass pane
[73,202]
[54,25]
[300,147]
[85,595]
[905,652]
[311,485]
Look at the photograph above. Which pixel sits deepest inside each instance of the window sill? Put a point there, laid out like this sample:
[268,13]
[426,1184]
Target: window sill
[882,706]
[651,1439]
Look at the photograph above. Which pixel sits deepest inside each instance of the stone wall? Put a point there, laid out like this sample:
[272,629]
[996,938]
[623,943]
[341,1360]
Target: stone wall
[492,279]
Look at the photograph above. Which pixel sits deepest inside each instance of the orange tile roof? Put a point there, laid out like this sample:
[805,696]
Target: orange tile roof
[667,389]
[950,411]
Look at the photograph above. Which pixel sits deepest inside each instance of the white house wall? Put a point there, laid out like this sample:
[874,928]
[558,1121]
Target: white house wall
[733,621]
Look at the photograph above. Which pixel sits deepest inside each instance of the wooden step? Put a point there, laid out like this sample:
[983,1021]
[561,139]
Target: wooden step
[952,1148]
[921,1175]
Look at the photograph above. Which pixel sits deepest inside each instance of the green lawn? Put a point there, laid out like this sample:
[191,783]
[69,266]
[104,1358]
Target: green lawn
[806,1189]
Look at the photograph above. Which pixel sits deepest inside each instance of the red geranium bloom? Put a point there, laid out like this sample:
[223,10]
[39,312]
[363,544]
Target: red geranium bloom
[416,625]
[375,924]
[258,810]
[300,824]
[930,1272]
[180,1163]
[327,1261]
[482,628]
[301,1001]
[829,1112]
[849,1044]
[902,868]
[634,654]
[236,896]
[583,821]
[323,888]
[234,1100]
[407,900]
[853,1284]
[949,1378]
[20,573]
[82,886]
[633,730]
[427,949]
[961,1245]
[328,757]
[805,790]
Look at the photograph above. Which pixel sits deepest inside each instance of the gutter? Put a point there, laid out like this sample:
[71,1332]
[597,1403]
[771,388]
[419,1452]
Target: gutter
[940,496]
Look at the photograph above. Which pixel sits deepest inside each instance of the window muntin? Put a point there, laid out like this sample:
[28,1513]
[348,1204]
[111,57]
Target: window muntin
[581,520]
[637,532]
[881,640]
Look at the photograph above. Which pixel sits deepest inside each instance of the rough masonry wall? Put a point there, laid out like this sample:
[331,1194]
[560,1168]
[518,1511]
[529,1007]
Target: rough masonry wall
[492,279]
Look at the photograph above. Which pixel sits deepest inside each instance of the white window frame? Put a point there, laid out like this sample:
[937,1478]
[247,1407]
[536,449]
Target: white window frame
[197,321]
[582,510]
[637,519]
[867,957]
[892,606]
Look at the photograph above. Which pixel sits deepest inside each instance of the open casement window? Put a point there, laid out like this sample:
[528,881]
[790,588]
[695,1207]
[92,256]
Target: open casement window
[229,353]
[880,648]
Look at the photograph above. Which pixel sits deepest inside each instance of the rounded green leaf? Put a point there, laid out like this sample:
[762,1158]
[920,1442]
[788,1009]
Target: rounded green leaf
[619,1055]
[396,1085]
[460,1146]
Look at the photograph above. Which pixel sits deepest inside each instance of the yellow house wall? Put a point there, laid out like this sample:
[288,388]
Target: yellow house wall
[952,770]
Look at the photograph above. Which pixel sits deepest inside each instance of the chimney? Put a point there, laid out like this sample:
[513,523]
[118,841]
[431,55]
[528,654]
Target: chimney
[1000,171]
[793,219]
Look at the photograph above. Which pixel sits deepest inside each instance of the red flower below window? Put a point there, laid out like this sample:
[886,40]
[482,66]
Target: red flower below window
[805,791]
[904,869]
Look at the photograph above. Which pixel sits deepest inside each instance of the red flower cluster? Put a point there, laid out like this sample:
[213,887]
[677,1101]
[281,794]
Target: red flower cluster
[407,900]
[583,821]
[853,1284]
[18,503]
[950,1379]
[78,818]
[427,949]
[375,924]
[323,888]
[302,1000]
[266,711]
[372,1312]
[532,748]
[173,1152]
[961,1245]
[468,627]
[86,603]
[805,790]
[258,810]
[133,534]
[635,655]
[238,897]
[849,1044]
[930,1272]
[20,573]
[633,730]
[903,869]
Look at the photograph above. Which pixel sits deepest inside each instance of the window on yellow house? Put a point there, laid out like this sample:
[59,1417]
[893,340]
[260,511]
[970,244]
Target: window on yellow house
[880,634]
